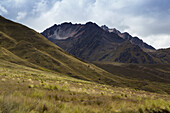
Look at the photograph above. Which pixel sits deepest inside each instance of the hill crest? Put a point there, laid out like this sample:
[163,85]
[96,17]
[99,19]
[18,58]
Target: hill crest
[94,43]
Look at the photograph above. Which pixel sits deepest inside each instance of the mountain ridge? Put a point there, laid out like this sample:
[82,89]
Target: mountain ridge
[134,40]
[91,42]
[22,45]
[25,47]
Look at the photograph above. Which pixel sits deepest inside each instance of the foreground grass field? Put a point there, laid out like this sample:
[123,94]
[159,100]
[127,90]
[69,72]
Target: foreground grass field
[25,90]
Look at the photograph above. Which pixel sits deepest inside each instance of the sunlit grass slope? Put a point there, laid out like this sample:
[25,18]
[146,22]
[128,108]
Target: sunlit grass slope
[155,77]
[36,76]
[25,46]
[27,90]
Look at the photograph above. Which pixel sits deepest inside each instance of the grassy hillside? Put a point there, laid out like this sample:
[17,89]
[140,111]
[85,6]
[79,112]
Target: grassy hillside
[36,76]
[24,46]
[154,77]
[129,53]
[6,41]
[162,54]
[34,91]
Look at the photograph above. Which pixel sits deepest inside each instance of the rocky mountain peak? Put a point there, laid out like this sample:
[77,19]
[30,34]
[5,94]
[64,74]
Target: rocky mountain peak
[104,27]
[91,24]
[93,43]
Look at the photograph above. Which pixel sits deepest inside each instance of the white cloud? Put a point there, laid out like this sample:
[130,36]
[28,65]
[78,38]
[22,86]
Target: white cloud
[158,41]
[16,3]
[40,7]
[3,10]
[62,11]
[144,18]
[21,15]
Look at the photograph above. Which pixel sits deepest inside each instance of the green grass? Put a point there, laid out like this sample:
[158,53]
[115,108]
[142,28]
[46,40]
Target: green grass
[37,76]
[24,90]
[154,78]
[29,48]
[24,46]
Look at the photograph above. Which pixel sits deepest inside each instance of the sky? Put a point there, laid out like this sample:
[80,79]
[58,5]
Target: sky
[147,19]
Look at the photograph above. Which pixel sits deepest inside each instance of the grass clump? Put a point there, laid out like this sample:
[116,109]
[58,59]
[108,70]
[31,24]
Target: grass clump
[3,79]
[31,86]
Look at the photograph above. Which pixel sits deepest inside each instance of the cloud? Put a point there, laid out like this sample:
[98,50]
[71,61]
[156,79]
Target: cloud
[144,18]
[39,7]
[15,3]
[158,41]
[3,10]
[76,11]
[21,15]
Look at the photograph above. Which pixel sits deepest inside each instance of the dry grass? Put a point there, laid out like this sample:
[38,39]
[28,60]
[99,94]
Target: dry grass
[33,80]
[26,90]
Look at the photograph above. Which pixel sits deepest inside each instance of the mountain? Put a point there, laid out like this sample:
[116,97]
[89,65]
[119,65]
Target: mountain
[23,46]
[162,54]
[127,36]
[38,76]
[23,49]
[93,43]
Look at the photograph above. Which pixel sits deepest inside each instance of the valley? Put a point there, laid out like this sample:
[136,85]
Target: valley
[86,70]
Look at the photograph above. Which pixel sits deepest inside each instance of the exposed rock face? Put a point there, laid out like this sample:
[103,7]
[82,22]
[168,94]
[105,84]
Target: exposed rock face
[93,43]
[127,36]
[62,31]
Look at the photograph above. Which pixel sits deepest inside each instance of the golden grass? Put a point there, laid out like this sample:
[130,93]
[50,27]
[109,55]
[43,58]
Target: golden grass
[26,90]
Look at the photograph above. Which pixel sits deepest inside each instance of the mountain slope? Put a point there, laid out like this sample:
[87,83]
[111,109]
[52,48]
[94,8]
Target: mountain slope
[24,46]
[155,76]
[162,54]
[93,43]
[6,41]
[156,73]
[127,36]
